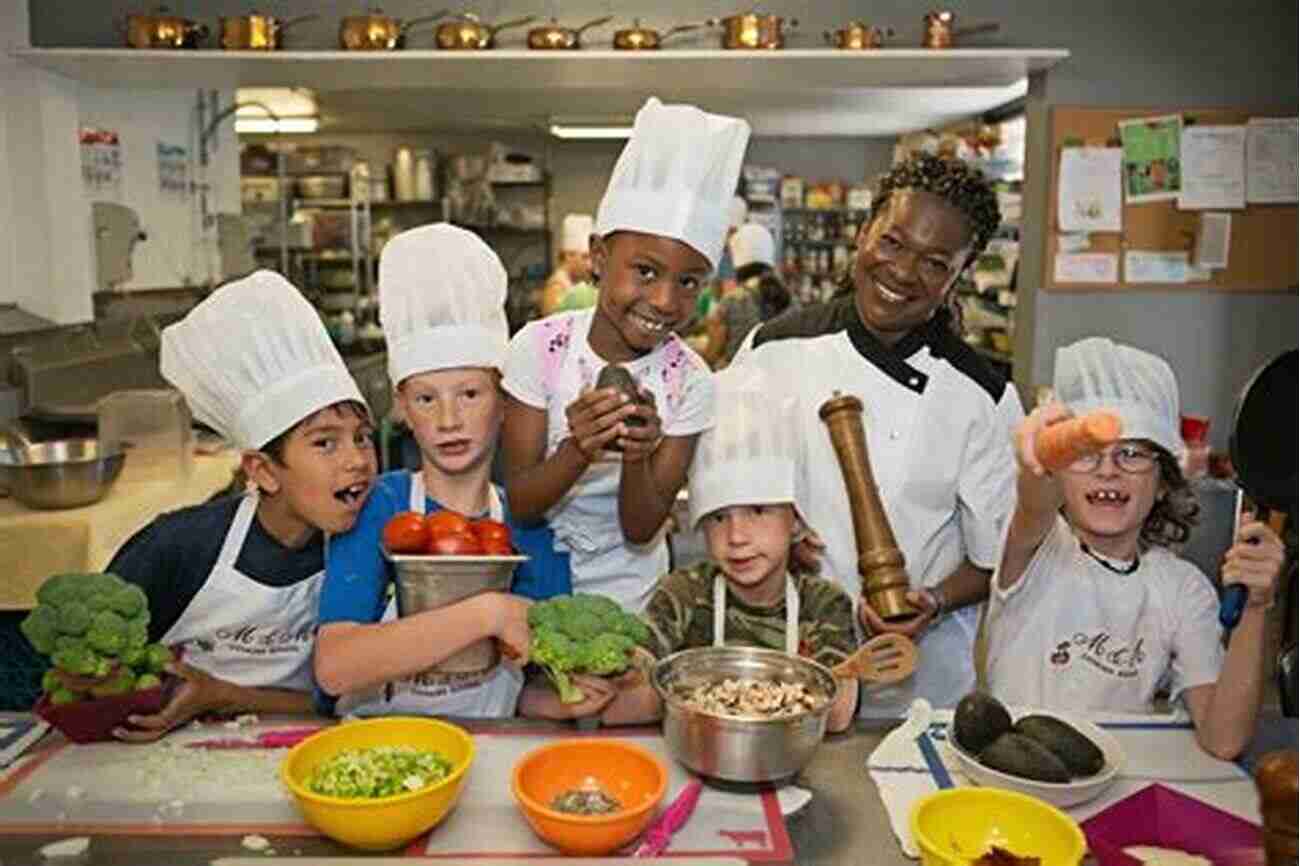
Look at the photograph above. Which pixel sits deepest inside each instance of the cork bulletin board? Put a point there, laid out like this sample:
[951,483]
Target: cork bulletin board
[1263,240]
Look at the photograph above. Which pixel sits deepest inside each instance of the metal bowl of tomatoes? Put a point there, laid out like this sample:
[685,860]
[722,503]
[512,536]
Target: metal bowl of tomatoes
[446,559]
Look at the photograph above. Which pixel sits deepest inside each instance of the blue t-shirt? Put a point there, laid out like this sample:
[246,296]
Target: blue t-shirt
[357,576]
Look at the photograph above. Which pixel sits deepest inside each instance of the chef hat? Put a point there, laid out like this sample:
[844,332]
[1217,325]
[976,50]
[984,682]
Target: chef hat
[752,243]
[577,233]
[253,359]
[674,177]
[442,294]
[1097,374]
[737,212]
[748,456]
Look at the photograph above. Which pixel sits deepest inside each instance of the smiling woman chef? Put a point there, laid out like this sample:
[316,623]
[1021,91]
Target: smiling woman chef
[236,581]
[938,420]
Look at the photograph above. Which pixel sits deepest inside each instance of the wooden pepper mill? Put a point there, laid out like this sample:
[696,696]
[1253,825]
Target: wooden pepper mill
[1276,778]
[880,561]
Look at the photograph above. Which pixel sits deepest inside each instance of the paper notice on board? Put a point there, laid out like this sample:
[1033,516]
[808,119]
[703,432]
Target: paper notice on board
[1088,190]
[1271,161]
[1151,159]
[1143,266]
[1213,240]
[1073,242]
[1087,268]
[1214,168]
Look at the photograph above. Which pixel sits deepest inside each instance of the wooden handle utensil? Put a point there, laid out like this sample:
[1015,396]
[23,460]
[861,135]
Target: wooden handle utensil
[886,658]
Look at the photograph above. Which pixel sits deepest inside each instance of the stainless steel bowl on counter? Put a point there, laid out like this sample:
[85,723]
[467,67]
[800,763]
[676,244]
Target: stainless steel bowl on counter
[731,748]
[65,473]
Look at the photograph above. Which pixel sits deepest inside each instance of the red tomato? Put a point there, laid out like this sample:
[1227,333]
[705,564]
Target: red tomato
[497,547]
[455,544]
[446,522]
[491,531]
[406,533]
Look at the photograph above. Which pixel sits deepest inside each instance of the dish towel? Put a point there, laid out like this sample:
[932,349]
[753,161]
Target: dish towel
[906,768]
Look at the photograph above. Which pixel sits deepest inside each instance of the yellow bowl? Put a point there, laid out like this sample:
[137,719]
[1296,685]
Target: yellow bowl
[958,826]
[382,823]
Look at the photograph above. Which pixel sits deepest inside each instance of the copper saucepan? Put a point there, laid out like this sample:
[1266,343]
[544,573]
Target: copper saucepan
[856,36]
[751,30]
[638,38]
[553,37]
[256,32]
[376,31]
[466,32]
[941,29]
[161,30]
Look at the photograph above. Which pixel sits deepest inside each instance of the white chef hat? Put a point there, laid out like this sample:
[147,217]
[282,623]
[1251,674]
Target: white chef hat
[442,295]
[748,456]
[577,233]
[737,212]
[1140,387]
[675,175]
[254,359]
[752,243]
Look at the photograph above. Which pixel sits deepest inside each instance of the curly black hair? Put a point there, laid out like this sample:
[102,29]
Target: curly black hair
[1173,516]
[957,183]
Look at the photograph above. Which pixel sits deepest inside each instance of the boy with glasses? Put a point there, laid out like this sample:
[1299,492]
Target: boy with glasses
[1089,608]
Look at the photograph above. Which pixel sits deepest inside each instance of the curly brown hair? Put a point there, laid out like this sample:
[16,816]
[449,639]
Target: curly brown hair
[1176,512]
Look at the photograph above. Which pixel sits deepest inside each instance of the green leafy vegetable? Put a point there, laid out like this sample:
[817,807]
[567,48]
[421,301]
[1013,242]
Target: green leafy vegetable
[378,771]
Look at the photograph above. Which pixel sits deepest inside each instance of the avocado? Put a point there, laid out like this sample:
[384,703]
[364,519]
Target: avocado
[614,376]
[1020,756]
[979,719]
[1079,754]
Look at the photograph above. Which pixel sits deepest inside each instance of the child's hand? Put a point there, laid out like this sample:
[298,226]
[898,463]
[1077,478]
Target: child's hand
[922,601]
[597,693]
[511,626]
[639,440]
[597,418]
[1027,435]
[1254,561]
[199,693]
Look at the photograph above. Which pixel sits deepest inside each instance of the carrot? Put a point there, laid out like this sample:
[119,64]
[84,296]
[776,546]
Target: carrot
[1059,445]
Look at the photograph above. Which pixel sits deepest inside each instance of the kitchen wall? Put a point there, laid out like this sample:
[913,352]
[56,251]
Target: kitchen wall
[1155,53]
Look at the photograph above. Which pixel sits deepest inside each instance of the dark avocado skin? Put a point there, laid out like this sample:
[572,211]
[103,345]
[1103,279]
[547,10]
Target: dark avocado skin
[614,376]
[1079,754]
[980,719]
[1020,756]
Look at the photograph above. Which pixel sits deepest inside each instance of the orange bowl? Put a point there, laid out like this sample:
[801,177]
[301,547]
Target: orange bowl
[627,772]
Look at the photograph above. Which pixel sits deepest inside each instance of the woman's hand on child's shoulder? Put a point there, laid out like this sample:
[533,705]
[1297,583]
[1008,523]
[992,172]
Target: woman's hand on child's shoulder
[1026,435]
[1255,560]
[597,418]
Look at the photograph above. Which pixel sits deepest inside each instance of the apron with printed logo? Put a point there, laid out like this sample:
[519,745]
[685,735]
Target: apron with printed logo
[491,693]
[245,632]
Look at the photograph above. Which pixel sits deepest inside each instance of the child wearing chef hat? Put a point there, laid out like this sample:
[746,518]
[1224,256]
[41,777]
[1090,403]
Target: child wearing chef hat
[759,294]
[570,287]
[658,236]
[742,497]
[1090,609]
[229,578]
[442,295]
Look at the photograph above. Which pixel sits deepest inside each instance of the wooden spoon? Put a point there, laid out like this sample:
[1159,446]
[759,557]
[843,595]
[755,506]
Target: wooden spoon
[886,658]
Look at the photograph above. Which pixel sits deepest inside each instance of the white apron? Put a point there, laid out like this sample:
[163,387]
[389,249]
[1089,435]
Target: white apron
[492,693]
[245,632]
[791,614]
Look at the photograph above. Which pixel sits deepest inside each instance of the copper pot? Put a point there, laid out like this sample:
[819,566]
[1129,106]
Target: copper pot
[553,37]
[162,31]
[376,31]
[466,32]
[752,31]
[256,32]
[856,36]
[941,29]
[638,38]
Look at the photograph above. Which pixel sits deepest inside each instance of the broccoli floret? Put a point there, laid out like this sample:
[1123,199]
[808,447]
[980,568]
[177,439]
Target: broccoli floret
[583,633]
[129,600]
[158,657]
[107,633]
[147,681]
[74,618]
[50,681]
[97,590]
[121,683]
[62,588]
[78,660]
[63,696]
[41,628]
[137,634]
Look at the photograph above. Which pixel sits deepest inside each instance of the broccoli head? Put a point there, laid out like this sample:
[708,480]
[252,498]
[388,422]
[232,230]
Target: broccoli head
[107,633]
[583,633]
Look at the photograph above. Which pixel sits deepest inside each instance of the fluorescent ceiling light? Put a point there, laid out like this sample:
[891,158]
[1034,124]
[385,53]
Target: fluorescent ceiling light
[269,126]
[570,131]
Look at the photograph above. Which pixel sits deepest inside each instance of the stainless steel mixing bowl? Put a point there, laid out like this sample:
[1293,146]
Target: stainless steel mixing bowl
[740,749]
[65,473]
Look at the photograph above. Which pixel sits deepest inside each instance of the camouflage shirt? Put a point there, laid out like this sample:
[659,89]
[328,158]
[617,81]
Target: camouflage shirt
[680,616]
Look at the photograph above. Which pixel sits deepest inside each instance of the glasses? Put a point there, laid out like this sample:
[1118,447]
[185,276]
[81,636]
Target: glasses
[1133,459]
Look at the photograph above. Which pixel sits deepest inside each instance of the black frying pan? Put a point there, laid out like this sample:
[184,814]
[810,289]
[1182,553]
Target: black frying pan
[1263,448]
